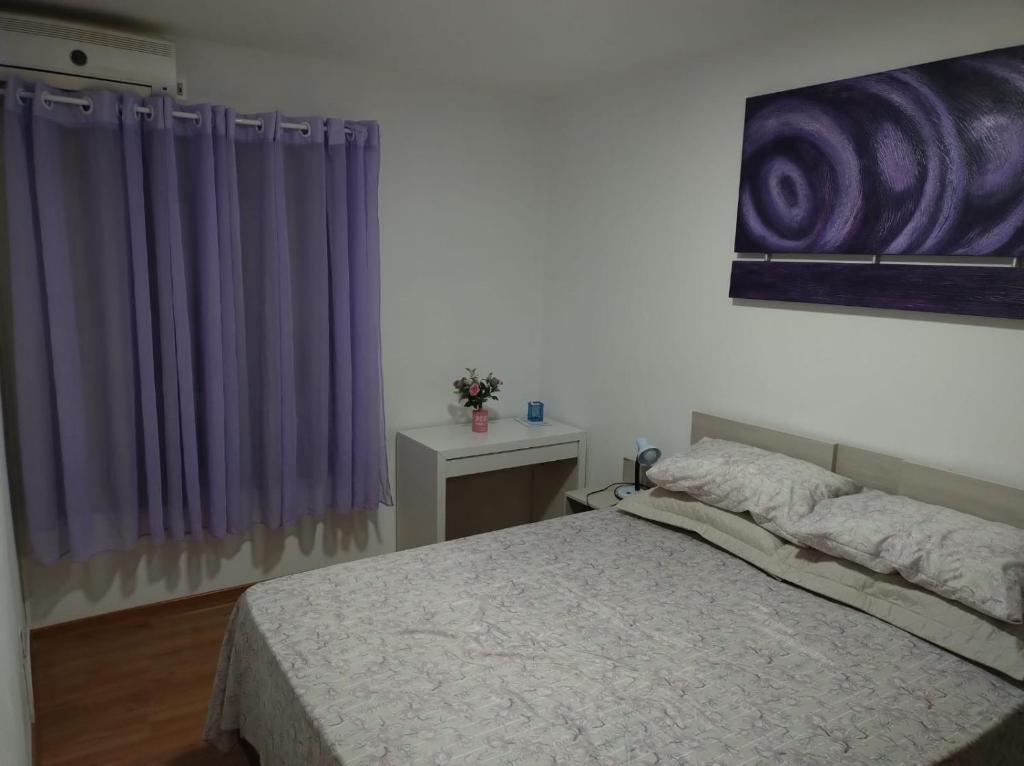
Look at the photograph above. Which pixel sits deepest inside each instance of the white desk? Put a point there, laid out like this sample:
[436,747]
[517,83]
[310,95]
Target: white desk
[451,482]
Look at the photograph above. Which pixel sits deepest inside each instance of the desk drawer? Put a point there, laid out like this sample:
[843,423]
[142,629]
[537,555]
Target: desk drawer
[497,461]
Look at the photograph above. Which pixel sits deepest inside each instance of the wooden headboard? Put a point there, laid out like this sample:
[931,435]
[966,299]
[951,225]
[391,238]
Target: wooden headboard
[801,447]
[995,502]
[984,499]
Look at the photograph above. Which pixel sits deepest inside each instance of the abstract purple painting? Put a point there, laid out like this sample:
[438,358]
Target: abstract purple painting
[926,160]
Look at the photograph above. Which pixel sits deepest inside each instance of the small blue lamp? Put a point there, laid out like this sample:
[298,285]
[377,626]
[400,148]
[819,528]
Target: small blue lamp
[646,455]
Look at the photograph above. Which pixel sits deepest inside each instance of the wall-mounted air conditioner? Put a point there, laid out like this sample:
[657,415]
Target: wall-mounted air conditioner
[74,56]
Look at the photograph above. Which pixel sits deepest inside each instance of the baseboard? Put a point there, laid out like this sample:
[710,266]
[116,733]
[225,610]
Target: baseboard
[191,603]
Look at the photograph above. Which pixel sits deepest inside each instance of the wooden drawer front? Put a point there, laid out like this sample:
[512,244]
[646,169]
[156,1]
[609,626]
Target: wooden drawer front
[497,461]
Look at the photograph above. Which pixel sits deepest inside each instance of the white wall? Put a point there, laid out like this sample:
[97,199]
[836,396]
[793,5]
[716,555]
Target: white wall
[638,327]
[461,240]
[607,220]
[14,714]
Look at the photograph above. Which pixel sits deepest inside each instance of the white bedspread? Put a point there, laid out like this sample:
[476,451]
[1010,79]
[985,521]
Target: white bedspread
[597,638]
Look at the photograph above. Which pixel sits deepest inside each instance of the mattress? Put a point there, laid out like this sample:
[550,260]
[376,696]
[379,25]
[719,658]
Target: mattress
[598,638]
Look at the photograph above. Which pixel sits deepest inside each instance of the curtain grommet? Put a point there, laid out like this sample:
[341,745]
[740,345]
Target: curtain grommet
[87,108]
[198,119]
[23,97]
[306,129]
[45,99]
[259,126]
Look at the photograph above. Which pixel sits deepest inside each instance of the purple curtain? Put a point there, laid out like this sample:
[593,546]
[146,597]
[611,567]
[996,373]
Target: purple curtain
[196,319]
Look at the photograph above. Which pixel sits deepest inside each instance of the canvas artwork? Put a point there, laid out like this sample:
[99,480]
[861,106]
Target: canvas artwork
[922,161]
[927,160]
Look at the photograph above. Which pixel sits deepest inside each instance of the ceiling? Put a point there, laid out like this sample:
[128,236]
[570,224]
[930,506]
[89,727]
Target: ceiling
[537,46]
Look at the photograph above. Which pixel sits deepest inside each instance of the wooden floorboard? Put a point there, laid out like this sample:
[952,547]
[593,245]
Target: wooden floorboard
[131,688]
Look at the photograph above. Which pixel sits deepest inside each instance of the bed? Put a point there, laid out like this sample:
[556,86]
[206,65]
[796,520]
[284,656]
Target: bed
[602,638]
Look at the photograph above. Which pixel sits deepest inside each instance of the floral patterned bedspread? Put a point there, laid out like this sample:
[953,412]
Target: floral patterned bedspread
[597,638]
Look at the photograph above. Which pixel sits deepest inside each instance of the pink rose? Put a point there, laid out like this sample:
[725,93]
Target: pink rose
[474,389]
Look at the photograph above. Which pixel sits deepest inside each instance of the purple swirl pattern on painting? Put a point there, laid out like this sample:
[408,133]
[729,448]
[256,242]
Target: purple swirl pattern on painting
[927,160]
[998,175]
[790,187]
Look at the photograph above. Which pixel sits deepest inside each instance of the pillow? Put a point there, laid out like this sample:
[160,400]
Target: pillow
[888,597]
[976,562]
[737,477]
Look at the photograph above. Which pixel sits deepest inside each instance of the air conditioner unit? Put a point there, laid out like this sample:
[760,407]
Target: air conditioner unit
[75,56]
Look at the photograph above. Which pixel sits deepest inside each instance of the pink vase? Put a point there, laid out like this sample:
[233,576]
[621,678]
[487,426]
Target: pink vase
[480,421]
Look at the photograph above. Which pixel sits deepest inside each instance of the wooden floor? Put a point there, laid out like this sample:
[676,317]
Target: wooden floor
[130,689]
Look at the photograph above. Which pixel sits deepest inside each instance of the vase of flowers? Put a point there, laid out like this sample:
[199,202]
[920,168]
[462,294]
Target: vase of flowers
[474,391]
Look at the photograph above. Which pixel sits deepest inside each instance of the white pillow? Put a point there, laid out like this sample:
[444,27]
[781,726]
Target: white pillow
[737,477]
[976,562]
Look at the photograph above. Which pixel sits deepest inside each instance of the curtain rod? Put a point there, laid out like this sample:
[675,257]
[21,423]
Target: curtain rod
[302,127]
